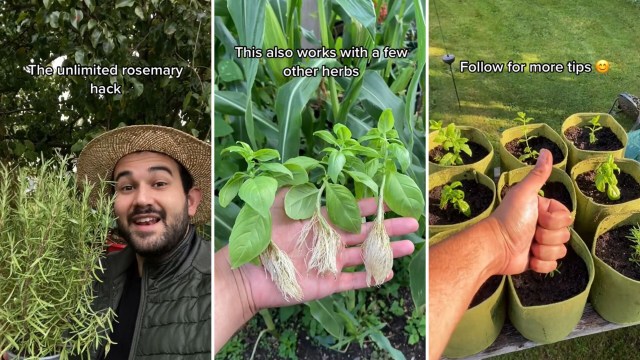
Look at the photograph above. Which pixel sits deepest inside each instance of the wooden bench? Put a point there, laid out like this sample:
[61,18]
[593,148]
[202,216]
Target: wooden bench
[510,339]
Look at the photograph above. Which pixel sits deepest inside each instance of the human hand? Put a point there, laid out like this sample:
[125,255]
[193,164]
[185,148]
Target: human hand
[524,216]
[285,231]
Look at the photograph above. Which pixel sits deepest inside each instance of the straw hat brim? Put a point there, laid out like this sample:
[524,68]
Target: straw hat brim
[99,157]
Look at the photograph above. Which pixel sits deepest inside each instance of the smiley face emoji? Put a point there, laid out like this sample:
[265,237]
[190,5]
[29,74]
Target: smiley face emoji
[602,66]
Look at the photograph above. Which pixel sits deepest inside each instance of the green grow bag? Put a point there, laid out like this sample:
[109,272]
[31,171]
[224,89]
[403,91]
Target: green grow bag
[557,175]
[546,324]
[614,296]
[480,325]
[456,174]
[474,135]
[581,119]
[591,213]
[510,162]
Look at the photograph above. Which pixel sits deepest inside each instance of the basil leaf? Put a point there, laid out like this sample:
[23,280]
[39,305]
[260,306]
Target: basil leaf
[300,202]
[385,122]
[266,154]
[259,193]
[343,209]
[230,189]
[336,163]
[276,168]
[364,179]
[250,236]
[304,161]
[403,196]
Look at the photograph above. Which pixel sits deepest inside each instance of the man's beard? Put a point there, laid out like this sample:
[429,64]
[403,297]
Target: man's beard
[168,240]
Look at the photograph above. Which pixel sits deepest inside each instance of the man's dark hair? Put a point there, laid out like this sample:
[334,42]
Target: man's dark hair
[185,177]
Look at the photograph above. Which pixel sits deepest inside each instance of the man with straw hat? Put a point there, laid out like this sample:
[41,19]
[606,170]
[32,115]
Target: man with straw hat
[160,285]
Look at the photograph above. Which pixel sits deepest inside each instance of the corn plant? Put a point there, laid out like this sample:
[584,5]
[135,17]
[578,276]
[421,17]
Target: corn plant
[52,242]
[595,126]
[454,196]
[634,236]
[606,178]
[450,138]
[528,152]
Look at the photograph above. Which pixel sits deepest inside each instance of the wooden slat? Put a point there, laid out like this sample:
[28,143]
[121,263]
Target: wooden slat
[510,339]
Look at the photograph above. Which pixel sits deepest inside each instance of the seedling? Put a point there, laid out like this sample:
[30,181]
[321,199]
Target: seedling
[634,236]
[450,138]
[595,126]
[529,153]
[606,179]
[554,272]
[454,196]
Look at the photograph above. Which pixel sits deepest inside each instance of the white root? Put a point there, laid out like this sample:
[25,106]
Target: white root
[377,254]
[325,245]
[283,273]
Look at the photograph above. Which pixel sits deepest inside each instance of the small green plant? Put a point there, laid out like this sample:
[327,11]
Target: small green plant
[416,327]
[595,126]
[454,196]
[529,153]
[451,140]
[555,272]
[634,236]
[288,343]
[606,179]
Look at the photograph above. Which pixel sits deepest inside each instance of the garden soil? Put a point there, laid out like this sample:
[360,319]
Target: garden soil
[606,139]
[540,289]
[487,289]
[478,197]
[615,250]
[516,148]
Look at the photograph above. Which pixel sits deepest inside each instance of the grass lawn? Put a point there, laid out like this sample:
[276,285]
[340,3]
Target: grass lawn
[545,31]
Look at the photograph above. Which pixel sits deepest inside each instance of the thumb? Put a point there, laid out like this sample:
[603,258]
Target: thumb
[540,173]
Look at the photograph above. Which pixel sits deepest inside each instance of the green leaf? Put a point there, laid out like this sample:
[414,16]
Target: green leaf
[326,136]
[385,344]
[229,71]
[300,202]
[417,278]
[274,37]
[90,4]
[266,154]
[401,154]
[385,122]
[170,28]
[291,99]
[305,162]
[139,12]
[230,189]
[250,236]
[363,12]
[300,176]
[53,19]
[342,132]
[79,56]
[124,3]
[322,311]
[364,179]
[47,3]
[259,193]
[138,87]
[248,17]
[234,103]
[276,168]
[403,196]
[343,209]
[335,165]
[76,17]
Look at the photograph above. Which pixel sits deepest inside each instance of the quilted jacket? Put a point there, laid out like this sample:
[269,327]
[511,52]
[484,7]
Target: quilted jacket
[174,316]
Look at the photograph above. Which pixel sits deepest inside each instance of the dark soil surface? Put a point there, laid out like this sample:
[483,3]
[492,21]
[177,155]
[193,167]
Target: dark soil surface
[615,250]
[477,195]
[607,139]
[552,190]
[629,188]
[487,289]
[309,349]
[477,151]
[516,148]
[541,289]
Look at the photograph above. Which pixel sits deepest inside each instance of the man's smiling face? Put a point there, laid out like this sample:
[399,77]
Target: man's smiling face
[151,205]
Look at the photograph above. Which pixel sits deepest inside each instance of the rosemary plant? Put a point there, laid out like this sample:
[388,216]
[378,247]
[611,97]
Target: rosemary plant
[52,240]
